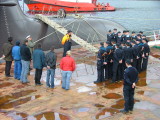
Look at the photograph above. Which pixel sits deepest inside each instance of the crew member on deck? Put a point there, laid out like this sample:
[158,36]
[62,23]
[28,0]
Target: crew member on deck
[130,78]
[109,36]
[100,63]
[66,42]
[145,54]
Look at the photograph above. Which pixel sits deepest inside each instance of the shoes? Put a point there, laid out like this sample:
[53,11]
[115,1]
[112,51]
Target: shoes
[39,84]
[25,82]
[9,76]
[96,82]
[112,82]
[124,111]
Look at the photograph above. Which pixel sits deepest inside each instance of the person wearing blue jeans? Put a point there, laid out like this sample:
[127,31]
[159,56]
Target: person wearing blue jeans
[51,59]
[17,60]
[25,59]
[25,70]
[50,78]
[67,66]
[66,76]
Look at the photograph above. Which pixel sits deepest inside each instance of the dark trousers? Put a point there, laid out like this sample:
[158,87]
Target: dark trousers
[139,65]
[100,73]
[135,63]
[38,75]
[67,47]
[117,72]
[110,70]
[106,71]
[8,68]
[128,93]
[144,63]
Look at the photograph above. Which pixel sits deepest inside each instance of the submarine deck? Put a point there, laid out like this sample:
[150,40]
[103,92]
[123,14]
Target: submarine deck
[85,100]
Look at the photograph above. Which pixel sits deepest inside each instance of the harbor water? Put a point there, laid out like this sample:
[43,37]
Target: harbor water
[132,14]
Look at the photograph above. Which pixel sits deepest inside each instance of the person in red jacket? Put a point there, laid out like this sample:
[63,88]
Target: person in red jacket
[67,66]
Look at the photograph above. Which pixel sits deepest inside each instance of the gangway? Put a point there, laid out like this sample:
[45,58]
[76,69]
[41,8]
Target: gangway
[63,30]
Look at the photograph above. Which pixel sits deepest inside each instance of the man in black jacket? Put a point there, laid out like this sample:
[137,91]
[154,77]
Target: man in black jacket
[130,78]
[117,64]
[100,64]
[135,54]
[7,52]
[25,59]
[114,35]
[51,59]
[145,54]
[109,36]
[119,38]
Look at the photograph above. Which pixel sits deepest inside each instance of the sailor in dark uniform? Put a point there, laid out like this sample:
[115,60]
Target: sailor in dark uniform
[127,37]
[135,54]
[119,38]
[130,78]
[108,57]
[140,51]
[123,36]
[139,37]
[100,64]
[128,53]
[117,64]
[115,35]
[113,43]
[109,36]
[141,33]
[145,54]
[133,36]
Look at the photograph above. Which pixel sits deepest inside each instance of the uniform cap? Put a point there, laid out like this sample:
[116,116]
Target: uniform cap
[28,36]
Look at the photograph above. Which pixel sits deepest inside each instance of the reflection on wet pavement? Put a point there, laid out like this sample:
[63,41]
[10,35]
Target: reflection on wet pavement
[99,105]
[18,102]
[112,96]
[16,95]
[6,84]
[42,116]
[120,104]
[107,112]
[85,100]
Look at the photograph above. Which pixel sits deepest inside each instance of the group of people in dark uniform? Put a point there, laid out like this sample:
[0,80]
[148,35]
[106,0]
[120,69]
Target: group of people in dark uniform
[122,57]
[118,48]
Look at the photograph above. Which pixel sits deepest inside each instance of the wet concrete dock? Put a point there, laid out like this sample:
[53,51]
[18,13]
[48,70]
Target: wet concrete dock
[85,100]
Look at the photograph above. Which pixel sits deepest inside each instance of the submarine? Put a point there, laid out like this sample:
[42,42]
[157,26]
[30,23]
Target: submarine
[15,23]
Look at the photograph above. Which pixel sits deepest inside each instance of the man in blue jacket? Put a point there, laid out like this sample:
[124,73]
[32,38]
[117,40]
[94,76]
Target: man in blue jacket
[38,63]
[17,61]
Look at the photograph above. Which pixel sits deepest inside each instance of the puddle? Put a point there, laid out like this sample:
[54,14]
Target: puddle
[99,105]
[120,104]
[18,102]
[142,82]
[16,95]
[42,116]
[6,84]
[107,112]
[92,93]
[17,116]
[112,96]
[141,92]
[113,85]
[83,89]
[91,84]
[49,116]
[82,110]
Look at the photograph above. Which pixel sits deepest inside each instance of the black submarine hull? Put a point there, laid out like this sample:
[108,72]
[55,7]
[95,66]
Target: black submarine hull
[14,23]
